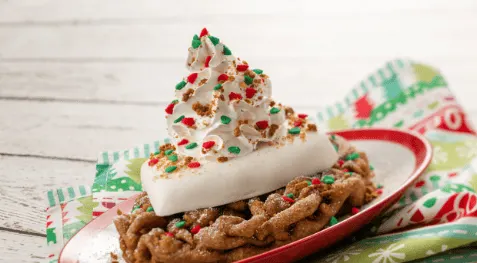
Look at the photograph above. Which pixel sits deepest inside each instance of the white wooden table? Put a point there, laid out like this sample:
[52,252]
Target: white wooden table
[78,77]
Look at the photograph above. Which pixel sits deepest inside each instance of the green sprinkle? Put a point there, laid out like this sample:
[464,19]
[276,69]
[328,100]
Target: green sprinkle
[379,186]
[170,169]
[214,40]
[333,221]
[274,110]
[180,224]
[290,195]
[195,42]
[352,156]
[180,86]
[258,71]
[333,137]
[218,86]
[172,158]
[234,149]
[294,130]
[328,179]
[350,173]
[191,145]
[179,119]
[156,153]
[136,207]
[150,209]
[227,51]
[371,167]
[308,182]
[167,152]
[248,80]
[336,147]
[175,101]
[224,119]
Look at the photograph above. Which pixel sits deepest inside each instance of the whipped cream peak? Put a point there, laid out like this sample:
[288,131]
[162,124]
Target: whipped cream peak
[223,108]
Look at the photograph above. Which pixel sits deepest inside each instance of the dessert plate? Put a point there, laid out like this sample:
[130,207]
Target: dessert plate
[399,158]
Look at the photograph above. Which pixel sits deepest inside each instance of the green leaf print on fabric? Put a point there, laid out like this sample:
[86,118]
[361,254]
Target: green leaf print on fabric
[70,229]
[392,87]
[338,123]
[453,155]
[101,168]
[51,235]
[399,124]
[424,73]
[400,251]
[103,175]
[473,182]
[123,184]
[134,167]
[86,209]
[456,188]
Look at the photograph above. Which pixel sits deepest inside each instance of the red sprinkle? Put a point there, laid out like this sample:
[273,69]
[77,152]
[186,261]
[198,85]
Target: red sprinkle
[153,161]
[302,115]
[223,77]
[262,124]
[297,123]
[192,77]
[207,60]
[169,234]
[208,145]
[250,92]
[204,32]
[354,210]
[242,67]
[194,165]
[340,163]
[288,199]
[315,181]
[182,142]
[170,108]
[379,191]
[195,229]
[345,170]
[234,96]
[188,121]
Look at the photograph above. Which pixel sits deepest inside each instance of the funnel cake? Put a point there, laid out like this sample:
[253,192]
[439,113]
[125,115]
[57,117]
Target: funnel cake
[252,226]
[243,173]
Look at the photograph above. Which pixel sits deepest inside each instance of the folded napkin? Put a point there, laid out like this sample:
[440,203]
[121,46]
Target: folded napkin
[434,217]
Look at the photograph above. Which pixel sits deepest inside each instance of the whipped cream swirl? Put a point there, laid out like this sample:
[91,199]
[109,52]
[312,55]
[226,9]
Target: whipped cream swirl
[223,108]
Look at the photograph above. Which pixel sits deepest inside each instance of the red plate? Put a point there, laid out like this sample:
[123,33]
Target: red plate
[399,158]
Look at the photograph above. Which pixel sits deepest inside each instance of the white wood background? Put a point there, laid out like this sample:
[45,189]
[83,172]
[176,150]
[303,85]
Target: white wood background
[78,77]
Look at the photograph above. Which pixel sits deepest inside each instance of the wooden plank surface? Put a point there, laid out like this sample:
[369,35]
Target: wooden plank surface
[25,12]
[24,182]
[21,248]
[314,39]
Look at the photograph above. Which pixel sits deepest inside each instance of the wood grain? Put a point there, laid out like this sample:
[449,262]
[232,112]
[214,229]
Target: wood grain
[20,248]
[24,183]
[25,12]
[314,39]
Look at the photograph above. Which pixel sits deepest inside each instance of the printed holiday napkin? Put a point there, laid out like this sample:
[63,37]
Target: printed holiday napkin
[436,215]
